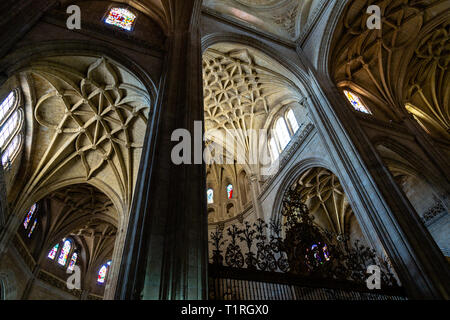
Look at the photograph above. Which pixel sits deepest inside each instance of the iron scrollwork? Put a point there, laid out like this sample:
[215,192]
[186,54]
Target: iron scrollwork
[305,249]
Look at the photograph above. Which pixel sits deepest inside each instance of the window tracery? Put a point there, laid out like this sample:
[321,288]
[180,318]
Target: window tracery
[103,272]
[292,120]
[282,133]
[11,120]
[29,216]
[121,18]
[67,246]
[62,251]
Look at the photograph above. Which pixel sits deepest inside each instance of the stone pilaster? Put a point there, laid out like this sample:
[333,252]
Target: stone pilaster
[166,246]
[255,191]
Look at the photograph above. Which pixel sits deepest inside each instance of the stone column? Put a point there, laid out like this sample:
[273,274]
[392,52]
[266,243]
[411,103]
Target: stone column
[166,247]
[434,154]
[255,191]
[383,211]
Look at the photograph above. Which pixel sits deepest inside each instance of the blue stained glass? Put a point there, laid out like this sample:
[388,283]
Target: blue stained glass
[29,216]
[32,228]
[103,272]
[73,261]
[52,253]
[64,252]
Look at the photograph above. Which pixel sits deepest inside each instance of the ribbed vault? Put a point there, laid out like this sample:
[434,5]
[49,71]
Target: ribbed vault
[321,191]
[395,72]
[89,122]
[242,91]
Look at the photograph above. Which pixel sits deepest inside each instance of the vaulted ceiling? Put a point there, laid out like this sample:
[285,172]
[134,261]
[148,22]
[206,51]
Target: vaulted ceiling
[401,68]
[283,18]
[86,125]
[243,89]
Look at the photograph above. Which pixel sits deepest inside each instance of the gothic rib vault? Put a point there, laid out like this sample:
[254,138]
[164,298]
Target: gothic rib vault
[91,116]
[396,73]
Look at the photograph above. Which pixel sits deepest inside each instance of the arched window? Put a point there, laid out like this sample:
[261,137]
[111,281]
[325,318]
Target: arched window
[32,228]
[230,191]
[292,121]
[11,150]
[8,129]
[356,102]
[103,272]
[282,133]
[121,17]
[64,254]
[274,149]
[210,196]
[73,261]
[53,252]
[7,105]
[29,215]
[10,123]
[63,250]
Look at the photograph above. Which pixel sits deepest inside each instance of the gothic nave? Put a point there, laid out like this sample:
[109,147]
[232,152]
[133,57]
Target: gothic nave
[224,150]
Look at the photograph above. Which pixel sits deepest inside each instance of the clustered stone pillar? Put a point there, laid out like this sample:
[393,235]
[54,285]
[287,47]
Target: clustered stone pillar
[383,211]
[166,255]
[435,155]
[255,190]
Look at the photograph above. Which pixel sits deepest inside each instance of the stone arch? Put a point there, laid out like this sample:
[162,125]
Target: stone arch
[289,179]
[347,224]
[20,59]
[135,95]
[391,66]
[8,285]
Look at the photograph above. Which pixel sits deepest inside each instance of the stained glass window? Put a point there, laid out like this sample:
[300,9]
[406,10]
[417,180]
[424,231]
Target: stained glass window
[6,105]
[103,272]
[282,132]
[121,18]
[292,120]
[210,196]
[326,253]
[73,261]
[29,215]
[32,228]
[62,260]
[9,127]
[53,252]
[356,102]
[230,191]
